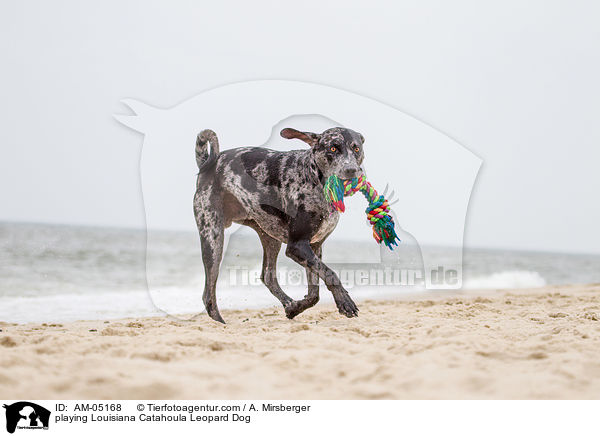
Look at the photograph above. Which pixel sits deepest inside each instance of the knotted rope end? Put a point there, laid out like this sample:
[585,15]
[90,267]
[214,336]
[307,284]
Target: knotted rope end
[378,210]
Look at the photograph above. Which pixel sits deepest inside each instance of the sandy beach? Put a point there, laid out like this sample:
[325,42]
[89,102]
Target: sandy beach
[519,344]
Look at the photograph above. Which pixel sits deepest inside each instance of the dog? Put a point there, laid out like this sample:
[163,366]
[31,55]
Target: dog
[280,196]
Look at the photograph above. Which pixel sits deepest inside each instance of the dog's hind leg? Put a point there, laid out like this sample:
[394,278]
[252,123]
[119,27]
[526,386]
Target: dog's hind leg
[209,218]
[212,253]
[312,297]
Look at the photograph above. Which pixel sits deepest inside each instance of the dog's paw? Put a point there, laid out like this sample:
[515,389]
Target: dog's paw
[292,309]
[346,306]
[214,314]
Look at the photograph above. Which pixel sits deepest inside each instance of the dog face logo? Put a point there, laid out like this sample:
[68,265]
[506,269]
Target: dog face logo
[26,415]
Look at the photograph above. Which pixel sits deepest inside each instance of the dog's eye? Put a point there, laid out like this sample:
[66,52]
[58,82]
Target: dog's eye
[357,149]
[333,148]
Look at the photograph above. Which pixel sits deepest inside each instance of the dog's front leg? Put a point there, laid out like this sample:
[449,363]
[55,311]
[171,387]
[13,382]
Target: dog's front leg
[296,307]
[301,252]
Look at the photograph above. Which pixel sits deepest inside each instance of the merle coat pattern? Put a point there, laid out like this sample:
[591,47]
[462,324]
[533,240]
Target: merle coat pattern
[279,195]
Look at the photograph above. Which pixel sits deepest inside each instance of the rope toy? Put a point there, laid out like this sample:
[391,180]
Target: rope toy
[378,211]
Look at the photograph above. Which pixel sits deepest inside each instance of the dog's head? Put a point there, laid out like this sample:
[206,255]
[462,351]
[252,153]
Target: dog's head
[337,151]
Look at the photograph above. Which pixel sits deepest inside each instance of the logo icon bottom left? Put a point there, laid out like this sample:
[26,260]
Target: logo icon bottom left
[26,415]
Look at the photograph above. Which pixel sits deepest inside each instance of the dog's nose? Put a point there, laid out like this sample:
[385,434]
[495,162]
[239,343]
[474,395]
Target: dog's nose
[350,173]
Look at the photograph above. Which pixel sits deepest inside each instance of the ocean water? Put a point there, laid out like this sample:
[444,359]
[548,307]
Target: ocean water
[61,273]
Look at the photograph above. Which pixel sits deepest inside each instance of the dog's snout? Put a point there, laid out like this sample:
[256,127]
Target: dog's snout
[350,173]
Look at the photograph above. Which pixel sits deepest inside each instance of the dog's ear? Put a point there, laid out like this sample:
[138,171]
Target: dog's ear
[362,138]
[308,137]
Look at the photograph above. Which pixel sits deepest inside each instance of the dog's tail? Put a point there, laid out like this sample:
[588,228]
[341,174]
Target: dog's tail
[203,159]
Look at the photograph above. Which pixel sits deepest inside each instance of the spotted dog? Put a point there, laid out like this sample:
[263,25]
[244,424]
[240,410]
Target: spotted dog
[279,195]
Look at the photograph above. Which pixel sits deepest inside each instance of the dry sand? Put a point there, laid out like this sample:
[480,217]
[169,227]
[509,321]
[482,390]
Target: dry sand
[542,343]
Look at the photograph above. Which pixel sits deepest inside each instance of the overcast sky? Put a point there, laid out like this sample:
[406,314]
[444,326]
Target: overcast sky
[515,82]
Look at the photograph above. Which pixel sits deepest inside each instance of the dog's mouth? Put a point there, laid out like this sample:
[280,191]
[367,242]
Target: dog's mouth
[349,179]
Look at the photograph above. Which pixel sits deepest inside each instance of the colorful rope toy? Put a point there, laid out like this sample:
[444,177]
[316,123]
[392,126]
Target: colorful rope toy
[378,211]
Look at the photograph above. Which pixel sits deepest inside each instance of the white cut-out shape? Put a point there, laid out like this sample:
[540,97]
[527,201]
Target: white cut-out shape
[24,414]
[431,174]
